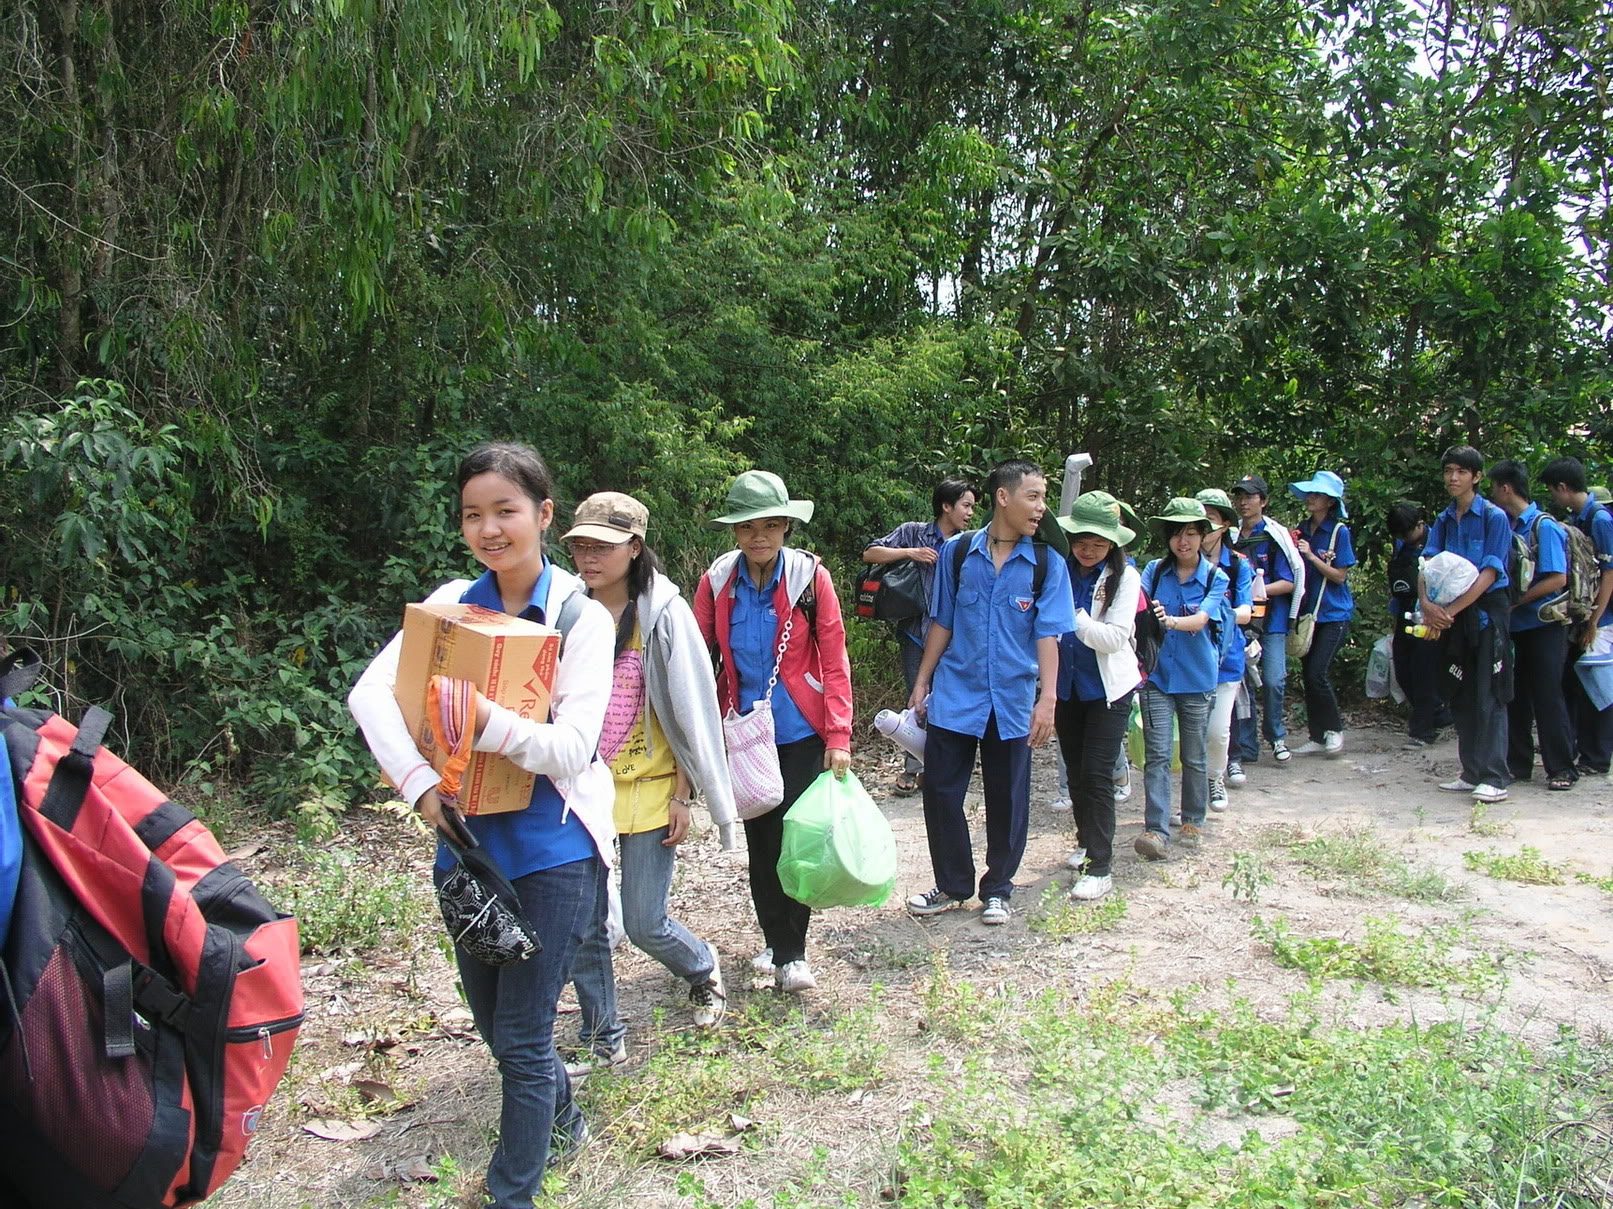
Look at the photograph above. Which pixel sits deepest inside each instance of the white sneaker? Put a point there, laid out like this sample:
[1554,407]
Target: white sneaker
[1123,791]
[1310,748]
[1489,793]
[1235,774]
[1076,860]
[1458,786]
[932,902]
[586,1064]
[1333,742]
[762,963]
[1088,888]
[995,911]
[1218,794]
[795,977]
[1280,752]
[1061,805]
[708,997]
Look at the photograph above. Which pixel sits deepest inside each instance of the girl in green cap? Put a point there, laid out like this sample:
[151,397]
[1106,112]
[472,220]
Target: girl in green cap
[770,615]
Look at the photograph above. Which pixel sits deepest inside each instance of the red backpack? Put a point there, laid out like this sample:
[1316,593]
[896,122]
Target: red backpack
[152,994]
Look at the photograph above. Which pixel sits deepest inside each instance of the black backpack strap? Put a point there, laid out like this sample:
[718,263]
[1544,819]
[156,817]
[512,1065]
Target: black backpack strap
[959,553]
[1039,576]
[71,780]
[18,672]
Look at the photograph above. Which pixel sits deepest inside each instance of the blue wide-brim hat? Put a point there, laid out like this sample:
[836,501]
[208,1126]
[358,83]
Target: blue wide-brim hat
[1324,482]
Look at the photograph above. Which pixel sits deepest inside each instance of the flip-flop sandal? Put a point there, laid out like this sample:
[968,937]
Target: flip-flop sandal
[906,783]
[1560,782]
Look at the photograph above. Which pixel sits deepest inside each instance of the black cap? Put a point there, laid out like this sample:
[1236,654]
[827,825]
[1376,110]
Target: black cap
[1252,484]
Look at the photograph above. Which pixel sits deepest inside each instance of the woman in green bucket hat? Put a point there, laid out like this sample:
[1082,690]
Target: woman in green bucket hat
[1323,541]
[770,614]
[1098,677]
[1186,591]
[1236,611]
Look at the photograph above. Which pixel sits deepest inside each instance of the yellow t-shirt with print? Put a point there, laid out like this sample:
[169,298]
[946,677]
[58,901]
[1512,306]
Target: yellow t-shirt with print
[644,767]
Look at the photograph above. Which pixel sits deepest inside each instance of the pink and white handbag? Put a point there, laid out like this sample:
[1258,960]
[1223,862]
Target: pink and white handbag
[752,754]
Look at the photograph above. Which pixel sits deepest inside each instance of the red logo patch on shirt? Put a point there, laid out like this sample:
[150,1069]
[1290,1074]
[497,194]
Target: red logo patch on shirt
[1024,603]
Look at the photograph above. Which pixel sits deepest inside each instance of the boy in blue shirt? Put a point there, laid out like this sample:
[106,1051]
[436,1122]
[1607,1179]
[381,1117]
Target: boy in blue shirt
[1539,644]
[992,639]
[1475,651]
[1269,547]
[1592,729]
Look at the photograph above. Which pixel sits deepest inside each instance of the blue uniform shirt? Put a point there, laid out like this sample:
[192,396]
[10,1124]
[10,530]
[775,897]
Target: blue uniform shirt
[1079,678]
[1483,536]
[524,841]
[1187,662]
[1266,555]
[1550,545]
[915,535]
[1339,603]
[753,637]
[1593,521]
[989,666]
[1240,592]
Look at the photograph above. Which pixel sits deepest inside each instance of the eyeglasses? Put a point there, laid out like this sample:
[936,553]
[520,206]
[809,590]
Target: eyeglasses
[593,549]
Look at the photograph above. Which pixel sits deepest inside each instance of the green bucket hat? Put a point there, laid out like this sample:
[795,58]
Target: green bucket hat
[1097,518]
[1218,500]
[1128,514]
[759,493]
[1182,510]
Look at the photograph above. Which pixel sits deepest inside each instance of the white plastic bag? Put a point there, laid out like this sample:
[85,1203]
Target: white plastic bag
[1380,669]
[1447,576]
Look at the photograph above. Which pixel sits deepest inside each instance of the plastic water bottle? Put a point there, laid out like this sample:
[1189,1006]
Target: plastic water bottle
[902,729]
[1258,595]
[1417,628]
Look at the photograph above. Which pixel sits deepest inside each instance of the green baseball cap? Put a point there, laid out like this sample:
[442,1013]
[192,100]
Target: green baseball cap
[1097,518]
[759,493]
[1182,510]
[1220,501]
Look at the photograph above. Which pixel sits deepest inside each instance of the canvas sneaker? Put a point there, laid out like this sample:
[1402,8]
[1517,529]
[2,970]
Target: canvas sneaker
[1076,860]
[1061,805]
[1236,777]
[1333,742]
[586,1064]
[1218,794]
[1458,786]
[1151,846]
[1310,748]
[1489,793]
[932,902]
[795,977]
[1088,888]
[708,997]
[1279,750]
[995,911]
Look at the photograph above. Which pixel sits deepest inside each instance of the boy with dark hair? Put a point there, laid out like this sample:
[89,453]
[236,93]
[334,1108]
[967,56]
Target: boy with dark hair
[1416,660]
[1539,644]
[952,504]
[1475,653]
[1271,552]
[995,623]
[1592,729]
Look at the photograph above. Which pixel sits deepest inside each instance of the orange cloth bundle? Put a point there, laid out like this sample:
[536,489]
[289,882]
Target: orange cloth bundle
[451,714]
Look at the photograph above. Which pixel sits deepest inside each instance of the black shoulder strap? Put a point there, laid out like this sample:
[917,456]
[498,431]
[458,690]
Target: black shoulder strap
[1039,576]
[959,553]
[1153,582]
[18,671]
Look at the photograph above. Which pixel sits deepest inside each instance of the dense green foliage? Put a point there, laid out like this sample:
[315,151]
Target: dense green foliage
[277,265]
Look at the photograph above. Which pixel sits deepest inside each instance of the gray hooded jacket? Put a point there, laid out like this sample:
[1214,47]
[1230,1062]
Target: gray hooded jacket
[681,694]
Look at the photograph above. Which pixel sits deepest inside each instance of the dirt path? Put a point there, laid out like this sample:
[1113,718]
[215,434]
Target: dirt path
[395,1017]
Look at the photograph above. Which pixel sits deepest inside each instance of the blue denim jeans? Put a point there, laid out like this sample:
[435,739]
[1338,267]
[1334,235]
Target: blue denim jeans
[1192,714]
[647,866]
[1273,691]
[514,1010]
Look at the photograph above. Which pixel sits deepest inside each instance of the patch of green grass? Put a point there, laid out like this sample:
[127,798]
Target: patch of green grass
[1480,822]
[1604,884]
[1528,867]
[1058,917]
[1360,856]
[342,901]
[1248,877]
[1431,957]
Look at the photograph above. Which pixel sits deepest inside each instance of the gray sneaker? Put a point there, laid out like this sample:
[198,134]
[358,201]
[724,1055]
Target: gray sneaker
[1218,794]
[1279,749]
[996,911]
[708,998]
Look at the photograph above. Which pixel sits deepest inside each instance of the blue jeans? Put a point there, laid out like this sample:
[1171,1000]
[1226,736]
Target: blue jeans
[1192,714]
[514,1010]
[1273,690]
[647,867]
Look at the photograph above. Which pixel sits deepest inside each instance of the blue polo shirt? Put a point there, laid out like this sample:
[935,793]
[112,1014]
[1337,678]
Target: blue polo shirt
[915,535]
[1240,593]
[1483,536]
[524,841]
[1079,677]
[989,666]
[753,638]
[1593,521]
[1339,603]
[1266,555]
[1550,545]
[1187,662]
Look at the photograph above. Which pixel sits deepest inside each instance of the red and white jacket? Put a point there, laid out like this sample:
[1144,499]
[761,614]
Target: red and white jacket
[817,673]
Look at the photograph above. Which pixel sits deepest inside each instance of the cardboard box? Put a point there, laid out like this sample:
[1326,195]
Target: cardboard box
[511,660]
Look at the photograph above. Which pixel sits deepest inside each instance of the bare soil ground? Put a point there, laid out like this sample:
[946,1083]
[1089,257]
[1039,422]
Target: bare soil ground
[393,1016]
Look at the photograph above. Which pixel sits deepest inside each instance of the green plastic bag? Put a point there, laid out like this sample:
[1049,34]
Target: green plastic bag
[838,850]
[1136,746]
